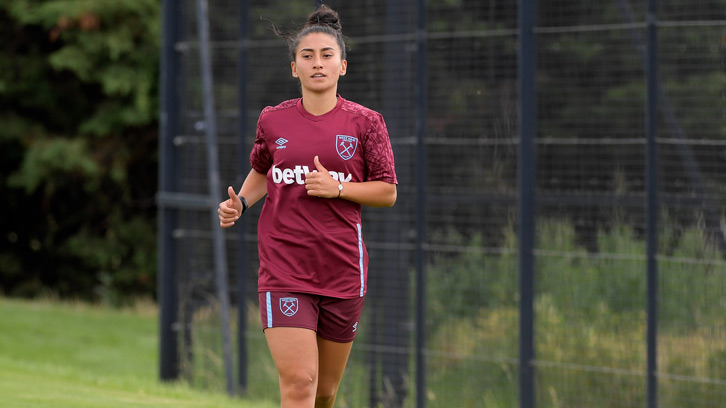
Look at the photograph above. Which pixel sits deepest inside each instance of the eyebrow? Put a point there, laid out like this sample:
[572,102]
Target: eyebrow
[322,49]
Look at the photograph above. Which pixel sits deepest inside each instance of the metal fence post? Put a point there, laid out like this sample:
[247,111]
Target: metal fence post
[651,127]
[526,176]
[166,267]
[421,208]
[219,247]
[242,361]
[397,103]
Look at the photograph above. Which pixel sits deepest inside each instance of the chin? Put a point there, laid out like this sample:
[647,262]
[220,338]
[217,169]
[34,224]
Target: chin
[320,89]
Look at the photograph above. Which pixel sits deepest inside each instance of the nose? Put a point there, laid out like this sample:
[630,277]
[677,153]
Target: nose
[318,62]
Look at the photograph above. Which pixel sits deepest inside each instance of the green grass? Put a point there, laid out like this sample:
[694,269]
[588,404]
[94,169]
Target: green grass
[60,355]
[590,327]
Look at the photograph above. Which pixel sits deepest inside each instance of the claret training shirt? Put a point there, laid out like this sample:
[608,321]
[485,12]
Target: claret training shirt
[311,244]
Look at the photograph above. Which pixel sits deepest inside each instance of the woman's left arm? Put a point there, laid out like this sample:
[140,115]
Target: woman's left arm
[369,193]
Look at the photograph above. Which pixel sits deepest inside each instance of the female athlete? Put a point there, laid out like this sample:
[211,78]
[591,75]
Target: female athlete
[318,158]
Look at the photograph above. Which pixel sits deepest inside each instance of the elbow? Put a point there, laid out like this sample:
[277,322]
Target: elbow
[384,197]
[392,197]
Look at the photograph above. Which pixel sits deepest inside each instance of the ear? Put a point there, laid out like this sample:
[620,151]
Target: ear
[293,69]
[343,67]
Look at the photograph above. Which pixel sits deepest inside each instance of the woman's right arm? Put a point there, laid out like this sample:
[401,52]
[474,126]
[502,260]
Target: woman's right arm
[253,189]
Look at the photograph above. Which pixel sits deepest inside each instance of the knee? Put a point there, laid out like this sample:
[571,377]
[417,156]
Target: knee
[324,400]
[325,396]
[298,385]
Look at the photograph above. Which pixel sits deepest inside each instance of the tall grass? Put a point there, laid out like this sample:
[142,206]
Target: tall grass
[590,325]
[590,321]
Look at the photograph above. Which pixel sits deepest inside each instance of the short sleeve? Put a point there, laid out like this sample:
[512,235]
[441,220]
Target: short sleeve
[260,158]
[378,153]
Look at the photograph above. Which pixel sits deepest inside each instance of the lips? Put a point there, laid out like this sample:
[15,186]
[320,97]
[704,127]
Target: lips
[318,76]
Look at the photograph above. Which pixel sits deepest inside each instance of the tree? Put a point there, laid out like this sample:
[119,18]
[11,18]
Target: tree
[78,108]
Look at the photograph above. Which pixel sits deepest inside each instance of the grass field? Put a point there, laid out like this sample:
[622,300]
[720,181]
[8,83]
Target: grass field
[590,326]
[67,355]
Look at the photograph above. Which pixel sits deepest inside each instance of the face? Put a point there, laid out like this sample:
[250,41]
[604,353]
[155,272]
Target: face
[318,63]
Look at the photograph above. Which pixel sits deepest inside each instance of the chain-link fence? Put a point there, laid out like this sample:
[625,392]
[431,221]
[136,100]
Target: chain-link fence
[627,209]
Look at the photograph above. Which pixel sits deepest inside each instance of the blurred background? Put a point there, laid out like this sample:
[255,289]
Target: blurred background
[596,173]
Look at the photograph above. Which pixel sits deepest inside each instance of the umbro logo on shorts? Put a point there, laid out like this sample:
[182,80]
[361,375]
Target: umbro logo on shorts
[288,306]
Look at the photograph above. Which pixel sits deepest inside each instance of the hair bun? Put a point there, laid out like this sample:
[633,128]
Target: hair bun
[325,16]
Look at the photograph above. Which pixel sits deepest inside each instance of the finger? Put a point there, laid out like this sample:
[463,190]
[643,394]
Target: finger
[227,221]
[233,199]
[226,208]
[315,186]
[228,218]
[316,190]
[319,166]
[313,177]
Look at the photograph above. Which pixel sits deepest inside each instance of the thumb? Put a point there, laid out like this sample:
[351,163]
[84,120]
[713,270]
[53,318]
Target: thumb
[232,196]
[319,166]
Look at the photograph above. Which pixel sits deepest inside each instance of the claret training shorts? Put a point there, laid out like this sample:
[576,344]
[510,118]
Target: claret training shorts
[331,318]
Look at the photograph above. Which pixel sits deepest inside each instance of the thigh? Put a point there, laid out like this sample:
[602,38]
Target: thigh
[333,357]
[294,351]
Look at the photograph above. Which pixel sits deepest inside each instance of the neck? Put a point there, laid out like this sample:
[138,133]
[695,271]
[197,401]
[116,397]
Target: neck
[320,103]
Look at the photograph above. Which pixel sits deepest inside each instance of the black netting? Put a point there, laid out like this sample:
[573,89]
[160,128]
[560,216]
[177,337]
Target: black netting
[591,187]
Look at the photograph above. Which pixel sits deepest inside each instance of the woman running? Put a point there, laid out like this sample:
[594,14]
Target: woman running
[318,158]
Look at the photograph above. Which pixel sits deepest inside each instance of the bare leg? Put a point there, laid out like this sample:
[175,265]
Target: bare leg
[295,353]
[332,360]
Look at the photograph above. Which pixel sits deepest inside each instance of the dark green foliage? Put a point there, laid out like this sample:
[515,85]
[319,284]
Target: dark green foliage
[78,113]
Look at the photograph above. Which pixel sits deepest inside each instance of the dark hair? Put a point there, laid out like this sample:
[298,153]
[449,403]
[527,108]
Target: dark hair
[323,20]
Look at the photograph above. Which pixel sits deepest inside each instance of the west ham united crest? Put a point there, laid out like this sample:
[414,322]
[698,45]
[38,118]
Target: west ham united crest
[346,145]
[288,306]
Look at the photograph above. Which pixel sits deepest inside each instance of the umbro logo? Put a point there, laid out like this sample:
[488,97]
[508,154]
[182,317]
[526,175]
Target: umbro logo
[281,143]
